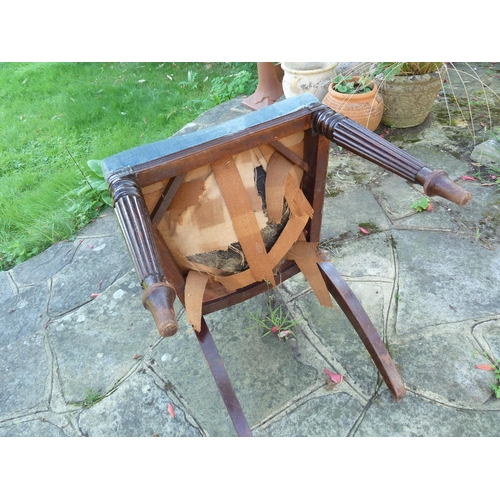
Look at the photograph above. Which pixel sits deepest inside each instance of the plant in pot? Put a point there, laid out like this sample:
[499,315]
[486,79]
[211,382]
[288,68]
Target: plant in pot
[356,97]
[409,90]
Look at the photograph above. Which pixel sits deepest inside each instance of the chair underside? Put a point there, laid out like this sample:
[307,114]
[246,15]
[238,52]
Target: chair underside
[157,188]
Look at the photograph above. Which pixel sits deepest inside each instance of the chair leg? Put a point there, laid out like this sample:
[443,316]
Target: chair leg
[355,313]
[221,378]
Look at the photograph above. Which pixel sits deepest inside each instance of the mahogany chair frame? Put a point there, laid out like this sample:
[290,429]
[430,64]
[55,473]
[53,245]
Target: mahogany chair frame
[128,173]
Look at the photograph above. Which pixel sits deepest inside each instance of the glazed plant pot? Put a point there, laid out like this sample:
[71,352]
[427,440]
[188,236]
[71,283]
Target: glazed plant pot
[408,100]
[365,109]
[311,77]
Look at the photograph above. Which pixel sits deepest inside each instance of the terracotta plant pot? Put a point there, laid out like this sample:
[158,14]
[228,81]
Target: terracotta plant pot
[365,109]
[408,99]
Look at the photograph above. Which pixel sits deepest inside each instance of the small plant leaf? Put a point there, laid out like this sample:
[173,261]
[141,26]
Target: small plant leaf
[95,166]
[98,184]
[421,205]
[335,377]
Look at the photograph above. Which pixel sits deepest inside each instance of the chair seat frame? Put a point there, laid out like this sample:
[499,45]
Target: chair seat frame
[129,172]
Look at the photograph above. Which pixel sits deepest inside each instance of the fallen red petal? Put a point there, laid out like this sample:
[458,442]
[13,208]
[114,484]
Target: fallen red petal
[94,295]
[467,178]
[275,329]
[430,208]
[284,333]
[363,230]
[171,410]
[336,377]
[488,368]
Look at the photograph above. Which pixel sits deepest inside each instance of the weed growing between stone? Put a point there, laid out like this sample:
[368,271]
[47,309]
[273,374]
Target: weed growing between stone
[493,367]
[496,385]
[274,320]
[91,398]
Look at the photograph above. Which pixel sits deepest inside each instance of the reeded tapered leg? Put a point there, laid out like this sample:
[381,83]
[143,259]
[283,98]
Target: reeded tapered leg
[133,218]
[358,139]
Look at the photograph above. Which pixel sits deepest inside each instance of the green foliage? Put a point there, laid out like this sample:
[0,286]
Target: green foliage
[52,113]
[93,184]
[346,85]
[275,320]
[16,251]
[192,81]
[32,216]
[495,367]
[496,385]
[91,398]
[421,205]
[243,82]
[391,69]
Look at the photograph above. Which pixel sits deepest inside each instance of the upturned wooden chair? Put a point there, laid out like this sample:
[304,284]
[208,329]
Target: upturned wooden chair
[266,168]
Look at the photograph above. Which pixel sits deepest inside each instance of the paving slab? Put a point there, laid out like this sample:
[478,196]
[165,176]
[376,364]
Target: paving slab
[336,334]
[444,277]
[370,256]
[396,196]
[95,346]
[97,263]
[138,408]
[26,365]
[45,265]
[29,428]
[487,334]
[364,210]
[419,417]
[330,415]
[25,373]
[440,363]
[7,287]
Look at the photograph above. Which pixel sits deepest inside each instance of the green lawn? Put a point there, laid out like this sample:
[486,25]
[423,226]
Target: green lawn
[54,117]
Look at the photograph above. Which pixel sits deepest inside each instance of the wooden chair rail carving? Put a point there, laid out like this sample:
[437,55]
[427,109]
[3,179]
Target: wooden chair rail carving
[156,187]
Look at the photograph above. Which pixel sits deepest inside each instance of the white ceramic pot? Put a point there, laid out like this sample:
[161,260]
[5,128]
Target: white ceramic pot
[311,77]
